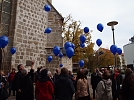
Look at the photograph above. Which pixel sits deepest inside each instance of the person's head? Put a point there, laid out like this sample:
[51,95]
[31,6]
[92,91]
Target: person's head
[23,72]
[38,69]
[94,71]
[20,67]
[128,71]
[49,74]
[64,71]
[43,73]
[57,70]
[2,73]
[116,70]
[80,75]
[106,75]
[13,70]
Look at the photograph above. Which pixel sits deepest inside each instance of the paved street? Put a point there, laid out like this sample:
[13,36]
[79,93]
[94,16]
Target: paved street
[13,98]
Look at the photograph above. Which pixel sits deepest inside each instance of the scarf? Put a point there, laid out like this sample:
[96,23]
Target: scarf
[115,75]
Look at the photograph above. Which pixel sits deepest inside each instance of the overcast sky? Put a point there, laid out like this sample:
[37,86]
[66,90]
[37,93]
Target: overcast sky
[92,12]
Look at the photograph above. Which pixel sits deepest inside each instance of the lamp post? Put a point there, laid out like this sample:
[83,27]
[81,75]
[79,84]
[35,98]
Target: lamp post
[112,24]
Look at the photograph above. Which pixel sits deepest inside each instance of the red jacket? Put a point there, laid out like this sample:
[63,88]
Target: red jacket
[11,77]
[44,90]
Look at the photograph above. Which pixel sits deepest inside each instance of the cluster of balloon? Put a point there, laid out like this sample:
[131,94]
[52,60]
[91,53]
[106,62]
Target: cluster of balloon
[113,49]
[61,65]
[82,45]
[49,58]
[100,27]
[69,47]
[47,8]
[82,38]
[81,63]
[13,50]
[56,50]
[86,29]
[119,51]
[99,42]
[60,55]
[3,41]
[48,30]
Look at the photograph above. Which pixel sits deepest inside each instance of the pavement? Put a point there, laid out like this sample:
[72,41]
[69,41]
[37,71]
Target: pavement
[90,88]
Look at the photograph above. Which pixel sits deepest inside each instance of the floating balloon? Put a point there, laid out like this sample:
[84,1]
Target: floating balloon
[82,45]
[67,44]
[49,58]
[82,38]
[69,52]
[86,29]
[3,41]
[81,63]
[48,30]
[60,55]
[73,46]
[13,50]
[56,50]
[61,65]
[119,51]
[113,49]
[100,27]
[47,8]
[99,42]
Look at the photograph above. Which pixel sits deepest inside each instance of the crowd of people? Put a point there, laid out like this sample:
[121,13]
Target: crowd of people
[112,86]
[63,85]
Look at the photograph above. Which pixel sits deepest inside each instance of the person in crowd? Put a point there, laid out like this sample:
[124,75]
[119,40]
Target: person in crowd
[72,77]
[26,85]
[44,88]
[57,74]
[10,80]
[116,82]
[64,88]
[3,87]
[104,90]
[82,92]
[50,77]
[127,92]
[37,74]
[95,78]
[17,80]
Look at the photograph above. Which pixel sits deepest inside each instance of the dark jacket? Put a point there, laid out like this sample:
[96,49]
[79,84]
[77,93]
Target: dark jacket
[26,86]
[95,79]
[64,88]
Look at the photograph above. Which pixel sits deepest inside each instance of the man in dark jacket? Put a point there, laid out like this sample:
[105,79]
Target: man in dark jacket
[64,88]
[17,81]
[95,78]
[116,82]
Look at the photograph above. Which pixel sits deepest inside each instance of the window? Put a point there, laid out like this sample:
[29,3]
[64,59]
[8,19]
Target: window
[5,18]
[6,7]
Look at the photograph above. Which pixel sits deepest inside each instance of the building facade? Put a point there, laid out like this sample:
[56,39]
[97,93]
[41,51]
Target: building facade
[24,22]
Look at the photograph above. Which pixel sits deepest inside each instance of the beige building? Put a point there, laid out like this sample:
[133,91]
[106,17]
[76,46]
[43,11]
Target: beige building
[24,22]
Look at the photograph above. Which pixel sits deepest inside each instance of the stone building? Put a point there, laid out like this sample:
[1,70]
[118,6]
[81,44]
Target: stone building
[24,22]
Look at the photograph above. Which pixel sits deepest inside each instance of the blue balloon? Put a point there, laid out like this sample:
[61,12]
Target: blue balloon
[119,51]
[13,50]
[48,30]
[3,41]
[100,27]
[56,50]
[60,55]
[99,42]
[69,52]
[113,49]
[61,65]
[82,38]
[81,63]
[67,44]
[86,29]
[73,46]
[82,45]
[47,8]
[49,58]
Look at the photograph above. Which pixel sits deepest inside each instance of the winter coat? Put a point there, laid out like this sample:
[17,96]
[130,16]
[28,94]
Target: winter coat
[104,90]
[64,88]
[11,77]
[82,88]
[95,78]
[44,90]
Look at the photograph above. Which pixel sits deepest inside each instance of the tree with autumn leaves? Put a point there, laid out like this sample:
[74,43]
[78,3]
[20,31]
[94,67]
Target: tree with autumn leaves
[71,32]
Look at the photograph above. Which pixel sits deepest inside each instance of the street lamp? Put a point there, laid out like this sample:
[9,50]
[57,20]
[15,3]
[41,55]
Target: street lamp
[112,24]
